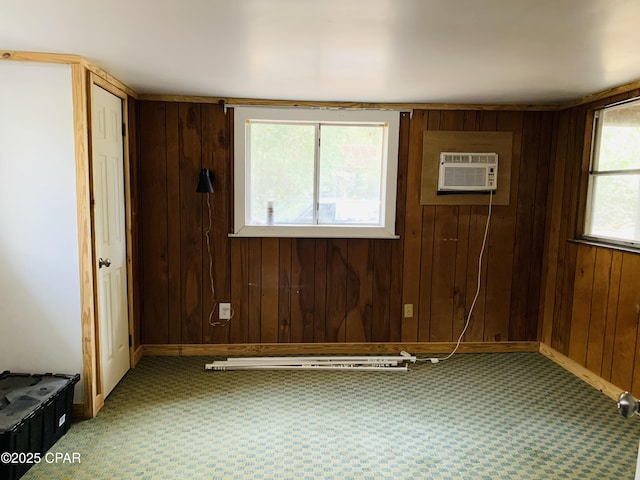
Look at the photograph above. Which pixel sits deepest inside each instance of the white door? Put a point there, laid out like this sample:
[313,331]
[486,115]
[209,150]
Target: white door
[110,237]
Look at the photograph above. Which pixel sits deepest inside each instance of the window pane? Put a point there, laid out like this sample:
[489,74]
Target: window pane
[616,207]
[282,171]
[350,174]
[620,139]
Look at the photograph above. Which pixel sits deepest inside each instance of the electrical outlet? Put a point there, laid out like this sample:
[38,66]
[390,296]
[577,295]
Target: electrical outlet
[408,310]
[224,311]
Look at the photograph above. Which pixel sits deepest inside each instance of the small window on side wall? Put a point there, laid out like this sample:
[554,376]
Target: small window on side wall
[613,199]
[315,172]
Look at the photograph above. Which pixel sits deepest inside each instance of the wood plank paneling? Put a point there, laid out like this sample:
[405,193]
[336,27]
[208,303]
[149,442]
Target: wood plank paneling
[343,348]
[598,309]
[254,311]
[443,273]
[382,295]
[413,228]
[612,315]
[445,244]
[461,265]
[581,311]
[320,300]
[216,157]
[475,311]
[486,121]
[136,253]
[559,333]
[297,317]
[397,247]
[360,291]
[567,253]
[303,295]
[501,242]
[191,258]
[562,324]
[462,297]
[536,277]
[238,327]
[334,290]
[553,262]
[576,146]
[629,308]
[624,344]
[153,223]
[173,222]
[422,309]
[524,239]
[338,275]
[284,292]
[269,285]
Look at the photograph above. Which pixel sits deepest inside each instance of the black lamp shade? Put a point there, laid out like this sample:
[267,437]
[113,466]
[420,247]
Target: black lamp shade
[205,184]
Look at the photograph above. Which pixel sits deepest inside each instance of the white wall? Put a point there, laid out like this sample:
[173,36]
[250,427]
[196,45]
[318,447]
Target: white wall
[39,277]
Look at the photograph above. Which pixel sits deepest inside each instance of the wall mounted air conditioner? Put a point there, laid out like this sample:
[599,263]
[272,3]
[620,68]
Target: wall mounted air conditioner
[468,172]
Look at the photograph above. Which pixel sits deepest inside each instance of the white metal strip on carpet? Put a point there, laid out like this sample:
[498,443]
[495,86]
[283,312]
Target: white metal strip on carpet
[382,362]
[222,368]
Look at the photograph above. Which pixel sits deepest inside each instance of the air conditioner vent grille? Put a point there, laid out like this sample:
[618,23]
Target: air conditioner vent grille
[450,157]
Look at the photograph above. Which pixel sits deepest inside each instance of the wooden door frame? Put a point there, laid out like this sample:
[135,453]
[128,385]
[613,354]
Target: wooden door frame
[82,81]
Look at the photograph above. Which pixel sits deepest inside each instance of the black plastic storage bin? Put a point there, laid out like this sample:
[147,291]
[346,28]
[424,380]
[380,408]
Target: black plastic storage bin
[35,411]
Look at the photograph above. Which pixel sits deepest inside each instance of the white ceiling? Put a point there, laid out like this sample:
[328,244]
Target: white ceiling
[408,51]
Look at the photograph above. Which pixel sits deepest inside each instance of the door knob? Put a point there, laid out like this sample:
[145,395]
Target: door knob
[628,405]
[104,263]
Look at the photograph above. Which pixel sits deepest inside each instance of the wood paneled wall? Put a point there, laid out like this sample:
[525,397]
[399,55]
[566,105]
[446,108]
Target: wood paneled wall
[442,243]
[336,290]
[590,305]
[136,247]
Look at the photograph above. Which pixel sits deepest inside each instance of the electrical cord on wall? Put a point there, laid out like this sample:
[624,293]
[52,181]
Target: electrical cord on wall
[475,298]
[213,289]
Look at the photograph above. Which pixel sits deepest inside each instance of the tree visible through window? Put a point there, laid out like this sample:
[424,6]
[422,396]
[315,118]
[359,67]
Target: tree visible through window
[613,208]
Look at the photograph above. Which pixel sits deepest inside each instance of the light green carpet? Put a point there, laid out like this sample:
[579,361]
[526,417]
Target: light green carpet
[476,416]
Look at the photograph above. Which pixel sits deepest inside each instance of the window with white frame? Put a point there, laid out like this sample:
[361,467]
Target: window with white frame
[613,200]
[315,172]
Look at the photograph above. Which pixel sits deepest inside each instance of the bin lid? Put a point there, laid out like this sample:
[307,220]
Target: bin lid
[21,395]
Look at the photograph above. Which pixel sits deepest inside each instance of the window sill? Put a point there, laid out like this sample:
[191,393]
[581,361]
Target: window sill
[602,244]
[313,231]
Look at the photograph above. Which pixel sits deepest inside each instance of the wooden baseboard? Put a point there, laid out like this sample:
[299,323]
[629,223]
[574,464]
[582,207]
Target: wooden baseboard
[137,355]
[256,349]
[609,389]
